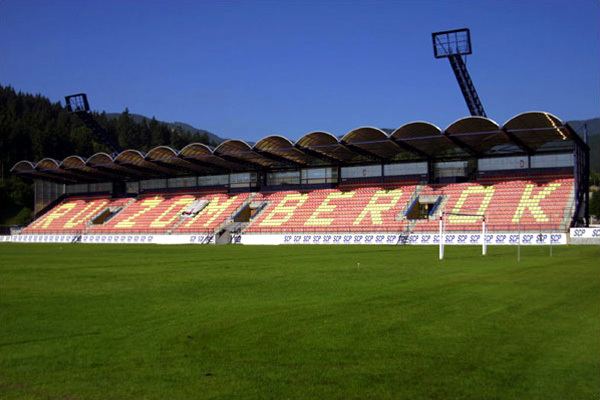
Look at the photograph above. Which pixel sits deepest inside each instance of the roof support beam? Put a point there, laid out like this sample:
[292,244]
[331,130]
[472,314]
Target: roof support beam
[471,151]
[363,152]
[235,160]
[279,159]
[209,167]
[320,156]
[44,176]
[68,175]
[187,166]
[410,149]
[230,165]
[518,142]
[147,171]
[102,175]
[218,166]
[130,172]
[164,169]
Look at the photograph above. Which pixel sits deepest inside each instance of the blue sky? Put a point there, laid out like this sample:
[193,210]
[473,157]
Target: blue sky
[246,69]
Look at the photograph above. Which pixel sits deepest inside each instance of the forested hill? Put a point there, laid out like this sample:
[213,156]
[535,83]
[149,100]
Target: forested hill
[32,127]
[213,139]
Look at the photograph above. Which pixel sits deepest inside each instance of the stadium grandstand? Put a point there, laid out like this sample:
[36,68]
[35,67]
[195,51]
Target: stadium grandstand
[528,179]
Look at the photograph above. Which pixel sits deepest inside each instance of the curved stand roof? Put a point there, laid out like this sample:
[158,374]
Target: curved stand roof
[527,133]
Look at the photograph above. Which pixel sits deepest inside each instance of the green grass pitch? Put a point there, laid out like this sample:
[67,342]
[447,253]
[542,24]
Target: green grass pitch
[240,322]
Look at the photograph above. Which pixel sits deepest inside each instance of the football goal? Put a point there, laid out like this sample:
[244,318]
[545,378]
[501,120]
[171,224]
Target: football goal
[472,222]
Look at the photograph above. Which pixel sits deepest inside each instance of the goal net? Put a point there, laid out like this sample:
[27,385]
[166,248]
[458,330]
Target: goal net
[475,222]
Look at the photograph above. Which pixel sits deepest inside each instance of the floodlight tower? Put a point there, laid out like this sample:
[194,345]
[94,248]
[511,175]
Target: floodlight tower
[78,104]
[453,45]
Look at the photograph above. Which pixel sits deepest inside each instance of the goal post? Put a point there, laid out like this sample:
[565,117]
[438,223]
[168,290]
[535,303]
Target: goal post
[442,231]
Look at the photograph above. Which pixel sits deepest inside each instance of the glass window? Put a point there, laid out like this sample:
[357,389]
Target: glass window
[405,169]
[362,171]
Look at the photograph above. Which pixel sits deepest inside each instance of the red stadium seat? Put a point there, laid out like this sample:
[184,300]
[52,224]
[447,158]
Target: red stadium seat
[509,204]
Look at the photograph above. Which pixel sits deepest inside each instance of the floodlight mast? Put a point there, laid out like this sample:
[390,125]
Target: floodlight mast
[78,105]
[453,45]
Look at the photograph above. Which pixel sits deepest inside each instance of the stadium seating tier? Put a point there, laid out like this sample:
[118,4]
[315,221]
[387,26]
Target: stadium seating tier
[518,204]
